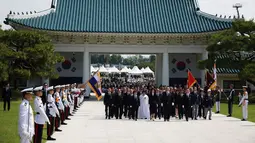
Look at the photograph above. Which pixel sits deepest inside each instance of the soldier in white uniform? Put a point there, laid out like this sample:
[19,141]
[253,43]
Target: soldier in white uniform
[52,112]
[60,105]
[40,117]
[65,102]
[69,99]
[26,117]
[244,102]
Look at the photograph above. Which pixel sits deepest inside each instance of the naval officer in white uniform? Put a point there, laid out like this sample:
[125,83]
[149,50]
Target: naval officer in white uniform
[40,117]
[26,117]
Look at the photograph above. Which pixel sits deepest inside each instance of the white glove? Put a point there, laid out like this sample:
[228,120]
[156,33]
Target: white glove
[161,104]
[172,103]
[26,134]
[182,106]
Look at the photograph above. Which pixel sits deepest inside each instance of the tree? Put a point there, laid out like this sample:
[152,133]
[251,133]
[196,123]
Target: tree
[28,54]
[233,48]
[115,59]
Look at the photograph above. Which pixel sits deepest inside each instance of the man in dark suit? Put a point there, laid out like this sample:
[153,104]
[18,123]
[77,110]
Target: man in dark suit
[230,100]
[7,96]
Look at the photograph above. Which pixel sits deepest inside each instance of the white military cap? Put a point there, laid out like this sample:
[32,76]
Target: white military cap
[58,86]
[62,86]
[245,86]
[27,90]
[209,90]
[50,88]
[81,89]
[39,88]
[67,85]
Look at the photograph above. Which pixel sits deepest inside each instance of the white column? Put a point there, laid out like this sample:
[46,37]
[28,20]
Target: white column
[203,57]
[165,70]
[86,69]
[158,69]
[86,66]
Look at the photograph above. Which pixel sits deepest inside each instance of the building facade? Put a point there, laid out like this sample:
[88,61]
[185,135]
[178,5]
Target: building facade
[175,30]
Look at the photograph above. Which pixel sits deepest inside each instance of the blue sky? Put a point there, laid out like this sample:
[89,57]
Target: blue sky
[220,7]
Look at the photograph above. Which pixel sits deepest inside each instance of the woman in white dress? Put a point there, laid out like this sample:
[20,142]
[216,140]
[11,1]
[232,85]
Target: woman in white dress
[144,109]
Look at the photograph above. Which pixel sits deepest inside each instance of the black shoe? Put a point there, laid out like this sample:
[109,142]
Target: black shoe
[50,138]
[68,119]
[63,123]
[58,130]
[70,115]
[243,120]
[210,119]
[195,118]
[229,115]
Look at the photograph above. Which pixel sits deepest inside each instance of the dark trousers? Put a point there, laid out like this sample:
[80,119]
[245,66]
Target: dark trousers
[67,110]
[50,126]
[38,133]
[118,111]
[200,111]
[108,111]
[125,110]
[230,107]
[62,114]
[159,113]
[186,112]
[167,112]
[57,122]
[180,111]
[133,112]
[8,101]
[75,102]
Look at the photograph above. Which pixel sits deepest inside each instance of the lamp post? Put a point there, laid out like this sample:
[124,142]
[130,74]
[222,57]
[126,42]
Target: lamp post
[237,6]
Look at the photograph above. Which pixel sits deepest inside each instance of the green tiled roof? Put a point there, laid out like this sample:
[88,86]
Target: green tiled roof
[126,16]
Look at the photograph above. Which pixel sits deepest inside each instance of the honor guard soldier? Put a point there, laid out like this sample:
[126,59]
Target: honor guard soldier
[217,99]
[26,117]
[244,102]
[52,112]
[65,102]
[59,105]
[40,117]
[230,99]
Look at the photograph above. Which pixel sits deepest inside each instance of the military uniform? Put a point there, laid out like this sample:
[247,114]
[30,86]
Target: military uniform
[244,102]
[52,112]
[60,108]
[108,104]
[26,119]
[40,117]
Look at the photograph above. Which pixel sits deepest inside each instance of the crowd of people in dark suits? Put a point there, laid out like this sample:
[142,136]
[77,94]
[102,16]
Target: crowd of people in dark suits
[123,101]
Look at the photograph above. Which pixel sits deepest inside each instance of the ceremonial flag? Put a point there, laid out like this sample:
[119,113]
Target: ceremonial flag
[95,85]
[210,82]
[215,72]
[191,79]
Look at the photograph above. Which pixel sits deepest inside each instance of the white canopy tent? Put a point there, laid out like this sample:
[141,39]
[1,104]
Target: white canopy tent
[92,69]
[135,71]
[102,69]
[148,70]
[142,69]
[124,70]
[113,70]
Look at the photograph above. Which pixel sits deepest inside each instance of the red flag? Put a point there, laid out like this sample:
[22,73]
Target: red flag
[191,79]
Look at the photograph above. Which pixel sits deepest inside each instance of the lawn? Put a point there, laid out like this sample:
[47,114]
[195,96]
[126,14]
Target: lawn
[237,111]
[9,124]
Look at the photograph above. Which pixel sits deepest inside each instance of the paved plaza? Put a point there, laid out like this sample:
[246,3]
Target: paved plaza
[90,126]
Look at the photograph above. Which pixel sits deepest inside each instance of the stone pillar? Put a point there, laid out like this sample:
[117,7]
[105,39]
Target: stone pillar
[86,67]
[165,69]
[158,69]
[203,57]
